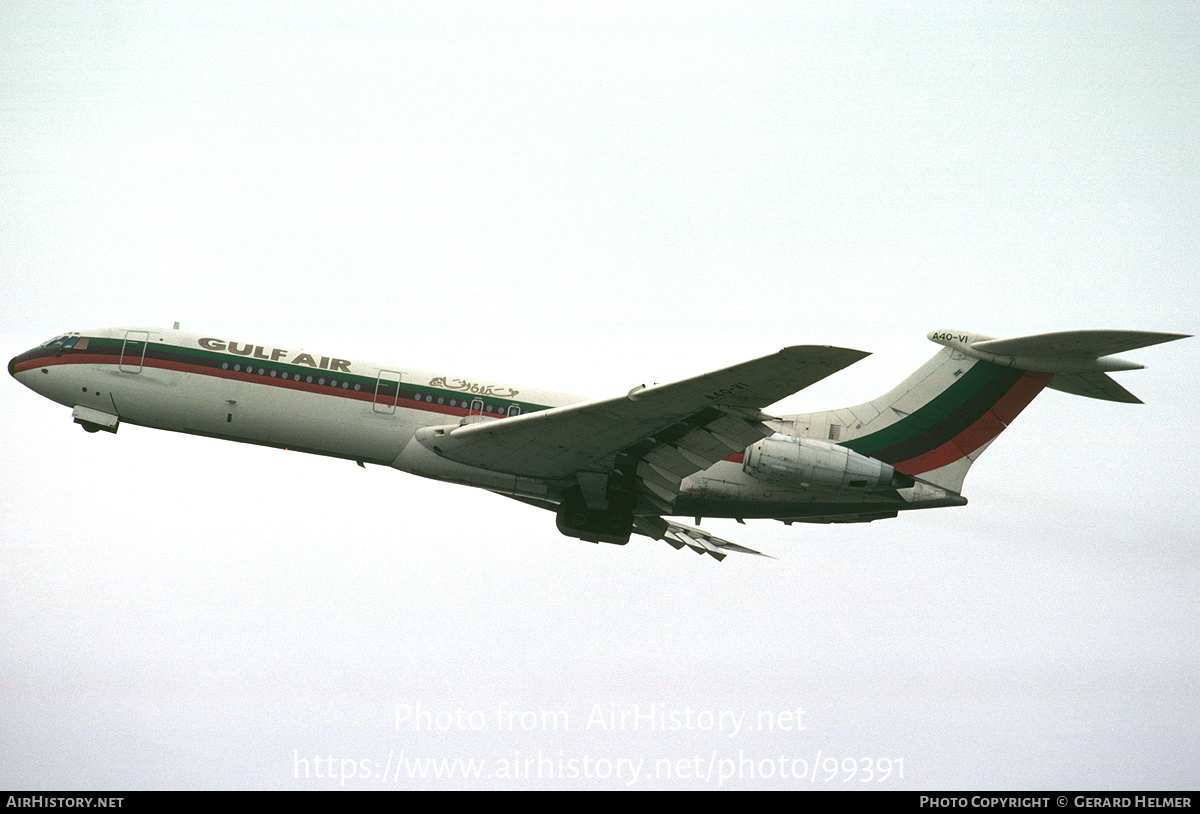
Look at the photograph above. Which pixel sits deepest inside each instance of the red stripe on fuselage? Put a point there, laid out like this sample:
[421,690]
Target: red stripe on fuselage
[59,359]
[253,378]
[983,430]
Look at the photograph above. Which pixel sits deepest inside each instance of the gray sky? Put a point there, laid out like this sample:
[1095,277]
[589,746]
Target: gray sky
[585,197]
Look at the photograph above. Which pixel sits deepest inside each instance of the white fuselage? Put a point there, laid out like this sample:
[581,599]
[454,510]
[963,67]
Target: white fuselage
[311,402]
[263,394]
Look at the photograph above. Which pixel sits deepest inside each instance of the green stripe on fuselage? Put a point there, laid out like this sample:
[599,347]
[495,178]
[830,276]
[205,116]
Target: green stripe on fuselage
[214,359]
[936,411]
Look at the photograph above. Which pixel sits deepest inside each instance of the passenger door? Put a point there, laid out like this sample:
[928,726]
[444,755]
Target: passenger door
[133,351]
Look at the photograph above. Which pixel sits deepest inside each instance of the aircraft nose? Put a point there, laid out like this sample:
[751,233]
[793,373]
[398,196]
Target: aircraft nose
[18,359]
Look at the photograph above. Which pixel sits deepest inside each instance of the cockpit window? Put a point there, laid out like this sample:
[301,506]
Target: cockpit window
[66,342]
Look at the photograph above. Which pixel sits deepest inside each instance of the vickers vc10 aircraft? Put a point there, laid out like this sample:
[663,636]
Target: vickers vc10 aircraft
[700,447]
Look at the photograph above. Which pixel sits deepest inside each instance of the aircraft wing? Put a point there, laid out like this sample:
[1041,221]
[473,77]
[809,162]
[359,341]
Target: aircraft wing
[661,433]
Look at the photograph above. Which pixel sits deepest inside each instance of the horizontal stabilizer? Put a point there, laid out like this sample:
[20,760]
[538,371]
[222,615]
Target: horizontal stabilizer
[1079,360]
[1075,344]
[1094,386]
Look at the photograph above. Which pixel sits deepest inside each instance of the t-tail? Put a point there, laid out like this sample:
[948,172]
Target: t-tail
[939,420]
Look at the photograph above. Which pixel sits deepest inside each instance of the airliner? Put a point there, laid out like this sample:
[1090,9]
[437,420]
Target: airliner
[608,468]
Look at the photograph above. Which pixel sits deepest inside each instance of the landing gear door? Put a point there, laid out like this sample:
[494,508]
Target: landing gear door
[133,351]
[387,391]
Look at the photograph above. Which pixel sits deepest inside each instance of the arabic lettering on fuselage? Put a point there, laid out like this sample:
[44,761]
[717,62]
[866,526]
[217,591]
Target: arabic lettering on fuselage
[464,386]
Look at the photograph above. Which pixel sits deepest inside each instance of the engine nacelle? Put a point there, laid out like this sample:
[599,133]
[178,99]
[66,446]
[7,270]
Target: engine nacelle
[797,462]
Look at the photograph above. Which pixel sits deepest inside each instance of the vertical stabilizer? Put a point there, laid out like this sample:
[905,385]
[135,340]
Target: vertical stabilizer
[939,420]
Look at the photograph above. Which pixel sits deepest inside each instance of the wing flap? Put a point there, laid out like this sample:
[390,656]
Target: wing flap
[677,535]
[667,458]
[705,447]
[736,434]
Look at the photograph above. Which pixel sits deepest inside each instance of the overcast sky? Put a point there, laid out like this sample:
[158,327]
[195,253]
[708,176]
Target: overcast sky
[585,197]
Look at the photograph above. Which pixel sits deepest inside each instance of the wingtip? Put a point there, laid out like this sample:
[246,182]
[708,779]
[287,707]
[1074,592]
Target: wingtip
[844,356]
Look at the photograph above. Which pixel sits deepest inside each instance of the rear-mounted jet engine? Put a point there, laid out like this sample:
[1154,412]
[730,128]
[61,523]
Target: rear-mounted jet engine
[792,461]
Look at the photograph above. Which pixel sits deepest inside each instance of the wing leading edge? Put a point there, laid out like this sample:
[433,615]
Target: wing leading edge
[589,436]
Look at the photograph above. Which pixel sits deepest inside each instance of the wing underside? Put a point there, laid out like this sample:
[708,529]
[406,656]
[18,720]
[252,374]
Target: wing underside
[646,442]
